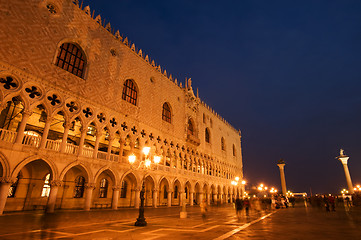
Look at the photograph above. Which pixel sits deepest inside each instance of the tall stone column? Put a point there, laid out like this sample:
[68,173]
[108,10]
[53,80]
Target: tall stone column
[81,143]
[183,213]
[137,198]
[169,198]
[155,198]
[115,197]
[281,164]
[44,137]
[208,198]
[191,198]
[65,137]
[5,184]
[96,146]
[215,198]
[200,197]
[54,186]
[88,195]
[109,150]
[24,120]
[121,147]
[343,159]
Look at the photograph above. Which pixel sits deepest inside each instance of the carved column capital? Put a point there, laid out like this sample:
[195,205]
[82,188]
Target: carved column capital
[56,183]
[90,185]
[7,180]
[116,188]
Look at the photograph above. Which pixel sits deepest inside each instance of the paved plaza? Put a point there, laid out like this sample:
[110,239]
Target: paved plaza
[164,223]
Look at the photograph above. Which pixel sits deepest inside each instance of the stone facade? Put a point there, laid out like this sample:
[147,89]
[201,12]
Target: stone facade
[82,129]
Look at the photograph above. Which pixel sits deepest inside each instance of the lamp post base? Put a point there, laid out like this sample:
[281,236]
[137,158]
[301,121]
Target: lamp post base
[140,222]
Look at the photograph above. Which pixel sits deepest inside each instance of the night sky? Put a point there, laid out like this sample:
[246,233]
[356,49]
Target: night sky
[287,73]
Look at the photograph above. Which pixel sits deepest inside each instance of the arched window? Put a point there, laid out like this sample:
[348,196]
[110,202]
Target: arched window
[79,187]
[71,58]
[176,192]
[165,193]
[13,187]
[103,190]
[123,190]
[207,136]
[190,129]
[223,145]
[130,92]
[166,113]
[46,187]
[234,150]
[186,190]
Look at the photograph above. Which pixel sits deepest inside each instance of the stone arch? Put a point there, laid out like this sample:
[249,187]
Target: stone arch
[177,189]
[128,188]
[23,163]
[188,191]
[89,176]
[113,174]
[4,166]
[164,187]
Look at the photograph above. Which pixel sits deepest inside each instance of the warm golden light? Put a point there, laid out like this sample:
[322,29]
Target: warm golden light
[147,163]
[156,159]
[237,179]
[132,158]
[146,150]
[261,185]
[243,182]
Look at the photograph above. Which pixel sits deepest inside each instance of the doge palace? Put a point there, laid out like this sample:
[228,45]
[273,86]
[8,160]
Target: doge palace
[80,102]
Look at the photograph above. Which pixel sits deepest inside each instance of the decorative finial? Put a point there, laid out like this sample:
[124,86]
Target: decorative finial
[342,153]
[281,161]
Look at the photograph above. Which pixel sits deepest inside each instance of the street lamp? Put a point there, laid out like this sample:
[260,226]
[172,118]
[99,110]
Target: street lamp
[235,183]
[144,164]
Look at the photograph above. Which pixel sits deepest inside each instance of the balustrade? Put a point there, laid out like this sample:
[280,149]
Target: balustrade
[30,140]
[52,145]
[7,135]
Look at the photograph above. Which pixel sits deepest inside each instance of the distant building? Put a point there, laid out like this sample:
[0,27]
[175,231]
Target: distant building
[77,99]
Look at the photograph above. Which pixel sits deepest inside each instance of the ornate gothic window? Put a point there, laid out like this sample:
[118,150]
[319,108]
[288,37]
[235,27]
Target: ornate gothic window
[176,192]
[46,187]
[223,145]
[167,114]
[12,189]
[103,190]
[190,129]
[130,92]
[123,191]
[79,187]
[165,193]
[207,136]
[71,58]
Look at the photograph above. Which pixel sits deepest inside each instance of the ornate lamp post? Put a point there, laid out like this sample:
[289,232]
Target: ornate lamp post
[144,164]
[235,183]
[343,159]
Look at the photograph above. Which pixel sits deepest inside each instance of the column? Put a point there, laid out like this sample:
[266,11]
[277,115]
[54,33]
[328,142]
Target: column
[191,197]
[343,160]
[115,197]
[169,198]
[121,147]
[44,137]
[200,197]
[5,184]
[137,198]
[54,186]
[208,198]
[65,137]
[215,198]
[88,195]
[22,125]
[110,147]
[181,199]
[81,143]
[183,213]
[96,146]
[283,178]
[155,197]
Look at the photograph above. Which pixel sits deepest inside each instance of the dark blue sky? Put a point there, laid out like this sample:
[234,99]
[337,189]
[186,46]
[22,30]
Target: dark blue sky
[287,73]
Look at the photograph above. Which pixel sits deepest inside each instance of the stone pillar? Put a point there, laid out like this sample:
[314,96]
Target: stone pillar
[281,165]
[81,143]
[183,213]
[44,137]
[169,198]
[191,198]
[208,198]
[155,198]
[121,147]
[215,198]
[22,125]
[115,197]
[54,186]
[65,137]
[109,147]
[88,195]
[5,184]
[343,159]
[137,198]
[200,197]
[96,146]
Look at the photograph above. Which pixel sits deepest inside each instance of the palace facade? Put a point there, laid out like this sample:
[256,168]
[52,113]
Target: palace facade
[77,99]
